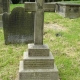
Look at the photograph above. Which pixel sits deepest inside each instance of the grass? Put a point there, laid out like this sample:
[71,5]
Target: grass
[65,48]
[12,6]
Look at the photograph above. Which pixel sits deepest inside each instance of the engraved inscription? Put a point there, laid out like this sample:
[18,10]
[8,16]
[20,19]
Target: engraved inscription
[38,76]
[31,64]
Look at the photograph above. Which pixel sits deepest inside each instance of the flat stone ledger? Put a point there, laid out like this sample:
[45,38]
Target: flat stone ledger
[38,50]
[68,10]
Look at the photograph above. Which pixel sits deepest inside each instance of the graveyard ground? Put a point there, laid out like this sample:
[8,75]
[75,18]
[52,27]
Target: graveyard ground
[63,37]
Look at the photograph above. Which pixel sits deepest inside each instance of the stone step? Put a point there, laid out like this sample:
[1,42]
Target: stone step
[38,62]
[38,50]
[38,74]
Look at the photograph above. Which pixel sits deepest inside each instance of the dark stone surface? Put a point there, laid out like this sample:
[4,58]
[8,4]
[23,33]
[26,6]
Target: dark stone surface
[18,26]
[6,5]
[1,7]
[68,10]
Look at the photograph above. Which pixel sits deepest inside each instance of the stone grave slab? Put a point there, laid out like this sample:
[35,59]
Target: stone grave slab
[68,10]
[18,26]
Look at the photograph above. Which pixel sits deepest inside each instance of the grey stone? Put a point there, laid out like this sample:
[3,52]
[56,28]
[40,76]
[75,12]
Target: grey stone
[38,50]
[38,74]
[1,7]
[68,10]
[18,26]
[1,23]
[6,5]
[39,7]
[38,62]
[1,11]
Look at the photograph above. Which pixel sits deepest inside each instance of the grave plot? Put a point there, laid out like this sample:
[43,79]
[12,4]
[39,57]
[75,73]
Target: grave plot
[68,10]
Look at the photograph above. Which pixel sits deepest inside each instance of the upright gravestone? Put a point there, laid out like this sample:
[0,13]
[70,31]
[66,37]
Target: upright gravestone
[38,62]
[1,11]
[4,7]
[18,26]
[1,7]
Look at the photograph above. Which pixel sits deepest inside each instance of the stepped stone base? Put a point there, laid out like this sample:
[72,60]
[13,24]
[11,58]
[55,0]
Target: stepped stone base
[38,50]
[37,74]
[38,62]
[38,67]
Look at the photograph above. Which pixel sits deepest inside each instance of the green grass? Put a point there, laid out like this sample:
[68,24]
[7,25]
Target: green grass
[12,6]
[65,48]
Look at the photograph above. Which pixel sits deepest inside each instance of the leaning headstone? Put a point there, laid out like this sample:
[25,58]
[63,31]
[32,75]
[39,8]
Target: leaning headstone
[18,26]
[38,62]
[69,10]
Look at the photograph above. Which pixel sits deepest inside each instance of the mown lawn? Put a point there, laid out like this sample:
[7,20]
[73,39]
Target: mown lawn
[65,48]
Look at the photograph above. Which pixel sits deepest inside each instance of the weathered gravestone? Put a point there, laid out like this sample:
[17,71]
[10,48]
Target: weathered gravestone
[4,7]
[1,11]
[38,62]
[68,10]
[1,7]
[18,26]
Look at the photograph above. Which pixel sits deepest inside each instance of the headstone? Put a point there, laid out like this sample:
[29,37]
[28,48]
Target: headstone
[38,62]
[1,7]
[68,10]
[1,11]
[18,26]
[4,7]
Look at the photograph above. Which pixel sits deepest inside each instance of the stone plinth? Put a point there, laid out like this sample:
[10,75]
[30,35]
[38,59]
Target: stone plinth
[37,74]
[68,10]
[38,62]
[38,67]
[38,50]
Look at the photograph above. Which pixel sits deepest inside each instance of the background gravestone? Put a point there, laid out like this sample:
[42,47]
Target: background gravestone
[4,7]
[1,11]
[18,26]
[1,7]
[68,10]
